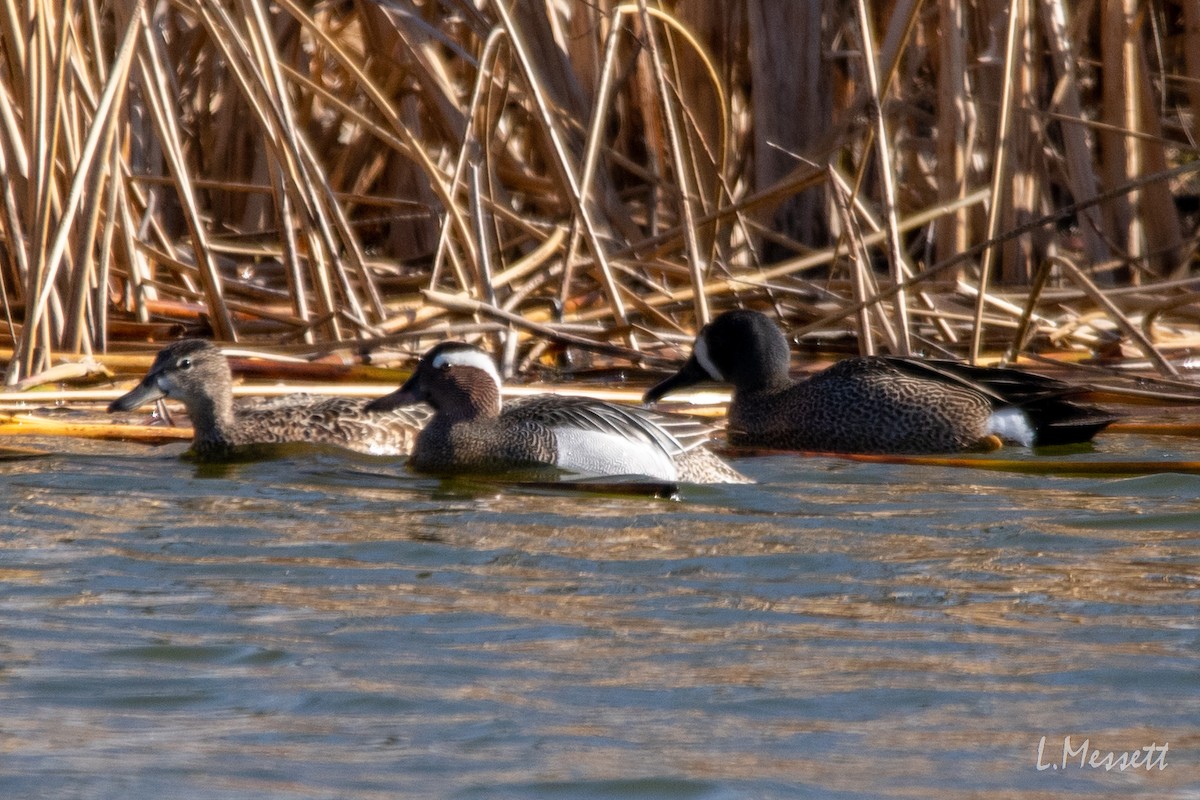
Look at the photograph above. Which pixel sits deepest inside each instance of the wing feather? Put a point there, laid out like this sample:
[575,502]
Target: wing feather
[673,434]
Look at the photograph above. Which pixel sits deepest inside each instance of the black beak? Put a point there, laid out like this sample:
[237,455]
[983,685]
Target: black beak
[145,392]
[406,395]
[689,374]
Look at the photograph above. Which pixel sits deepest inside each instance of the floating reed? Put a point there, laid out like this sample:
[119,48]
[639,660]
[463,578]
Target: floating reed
[1042,466]
[31,425]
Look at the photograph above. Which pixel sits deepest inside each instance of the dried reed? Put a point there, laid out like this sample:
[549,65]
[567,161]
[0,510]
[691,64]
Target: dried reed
[597,176]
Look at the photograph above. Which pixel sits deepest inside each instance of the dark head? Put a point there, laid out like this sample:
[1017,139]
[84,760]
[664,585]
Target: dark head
[740,347]
[192,371]
[454,378]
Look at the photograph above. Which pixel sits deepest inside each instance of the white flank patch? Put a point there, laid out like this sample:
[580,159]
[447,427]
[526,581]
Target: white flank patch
[468,358]
[700,351]
[601,454]
[1012,425]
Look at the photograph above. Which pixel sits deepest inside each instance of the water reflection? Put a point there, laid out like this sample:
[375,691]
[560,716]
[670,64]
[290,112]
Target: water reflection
[331,626]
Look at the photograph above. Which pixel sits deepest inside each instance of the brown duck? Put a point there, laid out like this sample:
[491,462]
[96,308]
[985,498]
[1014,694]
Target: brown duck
[196,373]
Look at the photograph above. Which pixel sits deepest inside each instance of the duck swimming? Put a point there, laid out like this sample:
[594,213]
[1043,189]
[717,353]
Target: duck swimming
[196,373]
[875,404]
[470,431]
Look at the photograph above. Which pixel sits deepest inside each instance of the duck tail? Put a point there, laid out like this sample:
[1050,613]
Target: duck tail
[1058,421]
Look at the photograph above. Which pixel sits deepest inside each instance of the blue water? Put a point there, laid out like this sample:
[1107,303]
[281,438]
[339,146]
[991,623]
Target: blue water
[328,626]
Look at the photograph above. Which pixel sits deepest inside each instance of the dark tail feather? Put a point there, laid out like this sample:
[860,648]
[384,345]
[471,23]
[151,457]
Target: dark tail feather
[1055,417]
[1057,421]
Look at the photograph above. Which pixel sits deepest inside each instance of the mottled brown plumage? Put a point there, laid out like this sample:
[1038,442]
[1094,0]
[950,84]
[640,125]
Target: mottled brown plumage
[875,404]
[196,373]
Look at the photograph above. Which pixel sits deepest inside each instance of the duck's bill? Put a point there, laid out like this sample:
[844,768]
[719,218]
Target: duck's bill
[406,395]
[145,392]
[689,374]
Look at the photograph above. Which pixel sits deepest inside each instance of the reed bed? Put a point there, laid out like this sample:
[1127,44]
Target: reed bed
[574,181]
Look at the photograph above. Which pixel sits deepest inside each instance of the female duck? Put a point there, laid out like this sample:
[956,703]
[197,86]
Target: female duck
[470,432]
[195,373]
[876,404]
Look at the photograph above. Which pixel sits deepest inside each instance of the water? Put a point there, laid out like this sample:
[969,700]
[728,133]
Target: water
[327,626]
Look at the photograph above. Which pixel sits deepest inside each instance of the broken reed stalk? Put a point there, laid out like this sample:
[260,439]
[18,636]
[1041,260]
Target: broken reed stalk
[472,143]
[1000,176]
[374,93]
[99,139]
[1078,158]
[1132,331]
[696,260]
[254,67]
[954,123]
[1027,312]
[982,247]
[855,258]
[470,305]
[562,161]
[594,143]
[900,341]
[165,117]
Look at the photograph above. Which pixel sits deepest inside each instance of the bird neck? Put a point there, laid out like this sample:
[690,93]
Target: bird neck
[473,400]
[213,417]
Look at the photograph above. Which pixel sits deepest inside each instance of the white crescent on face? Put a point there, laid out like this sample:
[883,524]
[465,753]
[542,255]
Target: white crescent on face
[700,351]
[467,358]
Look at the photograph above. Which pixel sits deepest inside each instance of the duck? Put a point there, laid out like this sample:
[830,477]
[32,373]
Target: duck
[472,432]
[196,373]
[875,404]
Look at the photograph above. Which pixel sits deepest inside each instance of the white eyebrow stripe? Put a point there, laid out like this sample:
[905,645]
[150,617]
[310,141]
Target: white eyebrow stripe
[700,351]
[468,358]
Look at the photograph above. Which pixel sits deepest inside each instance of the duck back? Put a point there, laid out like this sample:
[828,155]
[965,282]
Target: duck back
[861,405]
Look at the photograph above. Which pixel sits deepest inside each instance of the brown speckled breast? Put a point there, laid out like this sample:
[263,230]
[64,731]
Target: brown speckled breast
[482,446]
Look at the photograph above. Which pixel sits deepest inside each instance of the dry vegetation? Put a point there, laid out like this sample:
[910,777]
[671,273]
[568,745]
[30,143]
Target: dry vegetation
[986,177]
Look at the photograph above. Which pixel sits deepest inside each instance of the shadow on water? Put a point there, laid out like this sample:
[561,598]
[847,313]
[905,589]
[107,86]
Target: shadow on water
[321,624]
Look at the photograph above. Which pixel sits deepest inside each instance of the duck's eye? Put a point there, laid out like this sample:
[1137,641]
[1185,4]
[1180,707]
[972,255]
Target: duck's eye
[185,363]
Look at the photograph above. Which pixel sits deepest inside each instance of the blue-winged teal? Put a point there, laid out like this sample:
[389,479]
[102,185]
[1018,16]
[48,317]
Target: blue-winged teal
[196,373]
[470,432]
[877,404]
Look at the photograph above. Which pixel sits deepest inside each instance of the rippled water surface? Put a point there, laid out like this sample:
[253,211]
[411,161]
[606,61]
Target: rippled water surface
[328,626]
